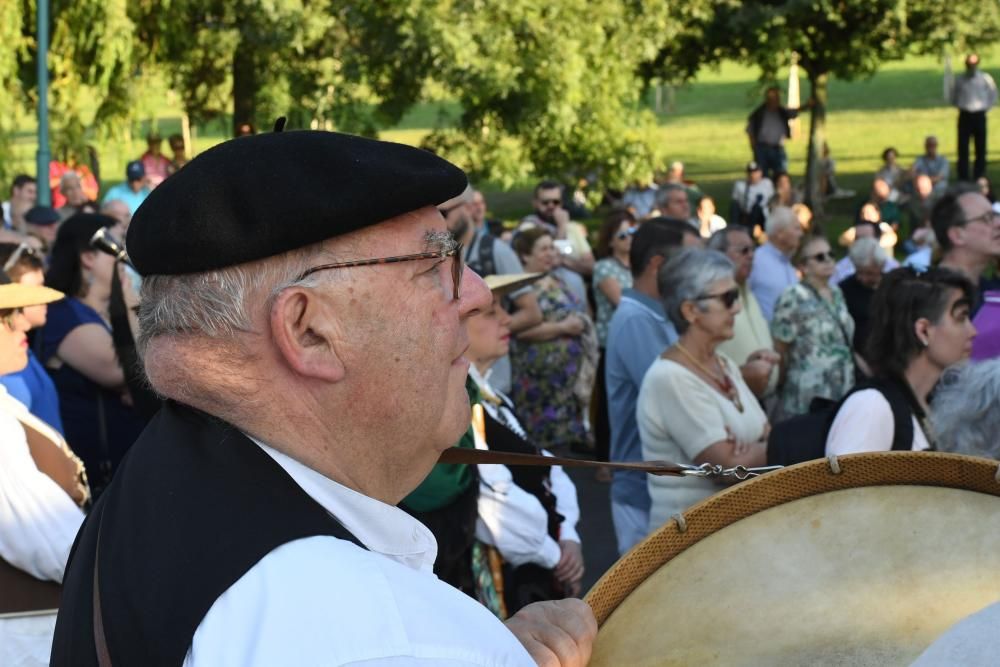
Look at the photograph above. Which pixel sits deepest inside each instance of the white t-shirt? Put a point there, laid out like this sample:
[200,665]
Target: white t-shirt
[679,416]
[325,601]
[864,423]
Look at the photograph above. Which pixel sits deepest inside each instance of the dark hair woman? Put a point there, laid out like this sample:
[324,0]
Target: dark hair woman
[77,349]
[920,327]
[553,362]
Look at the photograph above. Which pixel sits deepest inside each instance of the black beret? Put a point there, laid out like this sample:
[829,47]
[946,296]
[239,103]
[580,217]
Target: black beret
[266,194]
[42,215]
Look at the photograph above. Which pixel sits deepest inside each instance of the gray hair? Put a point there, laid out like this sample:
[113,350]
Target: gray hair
[720,240]
[220,304]
[867,252]
[663,193]
[781,217]
[686,277]
[966,410]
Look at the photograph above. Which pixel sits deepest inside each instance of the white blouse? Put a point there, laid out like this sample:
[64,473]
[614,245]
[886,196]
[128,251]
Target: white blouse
[680,416]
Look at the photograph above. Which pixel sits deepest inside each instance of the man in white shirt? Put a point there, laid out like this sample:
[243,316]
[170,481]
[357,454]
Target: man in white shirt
[750,198]
[313,356]
[974,93]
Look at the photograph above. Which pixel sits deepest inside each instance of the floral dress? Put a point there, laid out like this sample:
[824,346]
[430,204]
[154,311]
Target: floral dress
[608,267]
[820,358]
[549,377]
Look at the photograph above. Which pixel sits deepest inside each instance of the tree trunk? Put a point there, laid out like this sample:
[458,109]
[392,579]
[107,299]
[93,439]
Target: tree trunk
[244,84]
[817,138]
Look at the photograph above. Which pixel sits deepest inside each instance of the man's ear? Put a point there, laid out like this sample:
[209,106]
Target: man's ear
[304,335]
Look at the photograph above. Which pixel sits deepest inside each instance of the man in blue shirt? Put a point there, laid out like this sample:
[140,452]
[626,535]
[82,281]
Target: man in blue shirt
[772,269]
[638,333]
[134,191]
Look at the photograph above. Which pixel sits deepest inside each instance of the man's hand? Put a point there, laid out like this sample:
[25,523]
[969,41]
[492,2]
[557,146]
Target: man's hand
[559,633]
[569,569]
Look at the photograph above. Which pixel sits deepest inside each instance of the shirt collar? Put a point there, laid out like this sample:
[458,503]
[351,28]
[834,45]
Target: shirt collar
[382,528]
[645,300]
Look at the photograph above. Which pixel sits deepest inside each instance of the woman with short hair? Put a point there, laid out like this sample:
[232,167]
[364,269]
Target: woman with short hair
[813,332]
[920,327]
[694,406]
[965,414]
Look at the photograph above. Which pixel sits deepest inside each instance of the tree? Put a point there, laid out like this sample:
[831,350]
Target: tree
[90,57]
[845,39]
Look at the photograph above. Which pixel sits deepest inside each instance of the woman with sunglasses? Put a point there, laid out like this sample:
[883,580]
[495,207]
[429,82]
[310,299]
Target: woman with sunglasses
[921,325]
[78,351]
[814,334]
[612,276]
[694,406]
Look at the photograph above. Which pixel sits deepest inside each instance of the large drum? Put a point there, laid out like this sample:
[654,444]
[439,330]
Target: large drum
[861,560]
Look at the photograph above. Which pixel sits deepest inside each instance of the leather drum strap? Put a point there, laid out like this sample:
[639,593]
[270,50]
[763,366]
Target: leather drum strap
[473,456]
[58,464]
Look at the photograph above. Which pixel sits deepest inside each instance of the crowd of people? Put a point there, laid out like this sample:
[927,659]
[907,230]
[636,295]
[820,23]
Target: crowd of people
[677,335]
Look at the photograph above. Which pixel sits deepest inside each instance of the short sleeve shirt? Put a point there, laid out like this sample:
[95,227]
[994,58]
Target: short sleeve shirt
[679,416]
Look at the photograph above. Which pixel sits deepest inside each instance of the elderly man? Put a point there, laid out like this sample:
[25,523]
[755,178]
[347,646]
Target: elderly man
[772,265]
[751,345]
[118,210]
[639,331]
[71,187]
[672,202]
[967,230]
[868,260]
[311,351]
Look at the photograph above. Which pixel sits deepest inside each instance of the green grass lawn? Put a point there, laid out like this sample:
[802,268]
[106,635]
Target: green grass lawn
[704,129]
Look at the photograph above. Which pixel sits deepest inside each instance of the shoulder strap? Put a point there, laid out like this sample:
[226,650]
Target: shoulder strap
[486,254]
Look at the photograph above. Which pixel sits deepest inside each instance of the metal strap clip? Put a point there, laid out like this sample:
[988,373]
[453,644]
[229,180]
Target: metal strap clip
[713,471]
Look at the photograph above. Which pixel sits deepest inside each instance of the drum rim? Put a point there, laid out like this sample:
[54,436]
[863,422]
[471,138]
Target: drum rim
[803,480]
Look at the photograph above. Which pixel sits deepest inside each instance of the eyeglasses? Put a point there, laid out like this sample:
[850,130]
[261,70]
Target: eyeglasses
[8,317]
[549,202]
[727,298]
[455,252]
[621,236]
[821,257]
[987,218]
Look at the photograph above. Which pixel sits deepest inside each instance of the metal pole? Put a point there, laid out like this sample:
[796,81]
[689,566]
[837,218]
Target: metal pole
[43,156]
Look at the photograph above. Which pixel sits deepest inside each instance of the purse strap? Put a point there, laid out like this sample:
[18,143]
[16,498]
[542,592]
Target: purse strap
[100,639]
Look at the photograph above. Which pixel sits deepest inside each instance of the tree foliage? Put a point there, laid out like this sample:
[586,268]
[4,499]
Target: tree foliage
[845,39]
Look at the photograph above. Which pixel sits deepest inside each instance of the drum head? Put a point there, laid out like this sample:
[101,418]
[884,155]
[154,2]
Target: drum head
[865,566]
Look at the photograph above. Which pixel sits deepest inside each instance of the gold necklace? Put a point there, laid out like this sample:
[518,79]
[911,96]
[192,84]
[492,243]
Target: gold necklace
[726,385]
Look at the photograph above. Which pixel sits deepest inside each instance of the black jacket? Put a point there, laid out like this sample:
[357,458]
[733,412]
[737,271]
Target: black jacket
[194,505]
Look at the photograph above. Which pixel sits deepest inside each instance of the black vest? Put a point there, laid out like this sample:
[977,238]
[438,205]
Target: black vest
[194,505]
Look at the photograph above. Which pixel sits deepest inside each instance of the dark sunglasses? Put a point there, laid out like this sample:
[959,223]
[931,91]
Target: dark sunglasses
[455,252]
[821,257]
[621,236]
[727,298]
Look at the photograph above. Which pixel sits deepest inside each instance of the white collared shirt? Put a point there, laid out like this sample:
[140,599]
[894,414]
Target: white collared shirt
[325,601]
[510,518]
